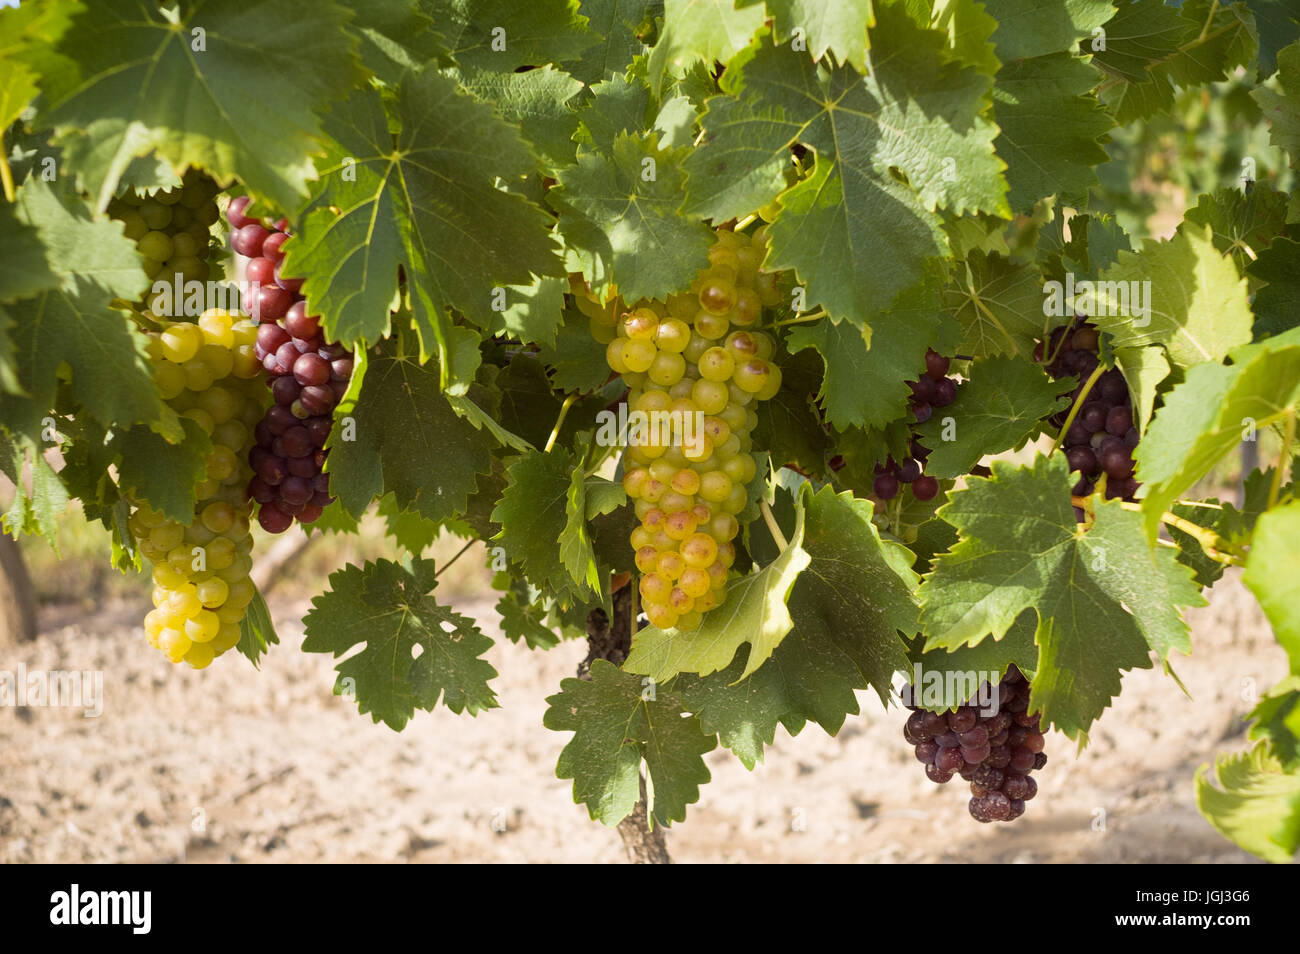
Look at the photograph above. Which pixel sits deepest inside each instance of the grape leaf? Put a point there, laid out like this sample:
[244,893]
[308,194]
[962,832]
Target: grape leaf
[112,89]
[918,113]
[36,511]
[24,264]
[504,35]
[619,104]
[405,438]
[619,212]
[695,30]
[256,630]
[998,302]
[1207,415]
[1095,242]
[954,666]
[618,23]
[1278,25]
[1139,36]
[392,610]
[1256,803]
[24,32]
[1104,597]
[531,313]
[754,611]
[162,473]
[456,245]
[1281,107]
[1051,127]
[1143,370]
[1130,101]
[544,503]
[396,38]
[1028,28]
[1198,303]
[72,324]
[899,339]
[838,28]
[1277,304]
[998,408]
[538,102]
[523,612]
[1277,719]
[412,532]
[788,425]
[1217,38]
[856,594]
[1242,223]
[619,720]
[577,359]
[1273,575]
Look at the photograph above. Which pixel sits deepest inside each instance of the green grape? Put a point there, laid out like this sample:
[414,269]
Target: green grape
[673,336]
[655,588]
[667,369]
[717,295]
[638,354]
[716,364]
[711,326]
[156,215]
[710,396]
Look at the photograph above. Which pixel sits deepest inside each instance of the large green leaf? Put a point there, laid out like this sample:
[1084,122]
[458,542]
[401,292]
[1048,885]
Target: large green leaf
[503,35]
[1209,413]
[404,437]
[1051,124]
[1028,28]
[1256,803]
[839,28]
[392,610]
[129,79]
[854,233]
[1198,306]
[1281,106]
[1273,575]
[427,204]
[996,410]
[619,720]
[701,30]
[619,214]
[1104,596]
[72,326]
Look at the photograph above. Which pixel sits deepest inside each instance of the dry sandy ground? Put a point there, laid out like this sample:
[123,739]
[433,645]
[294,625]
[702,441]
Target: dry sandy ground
[235,765]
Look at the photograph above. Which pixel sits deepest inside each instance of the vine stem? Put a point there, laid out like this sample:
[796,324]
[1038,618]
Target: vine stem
[1283,459]
[772,527]
[459,553]
[1213,544]
[745,223]
[1097,372]
[800,318]
[559,421]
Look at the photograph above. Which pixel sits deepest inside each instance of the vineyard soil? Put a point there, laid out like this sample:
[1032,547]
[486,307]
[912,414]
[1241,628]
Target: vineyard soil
[281,770]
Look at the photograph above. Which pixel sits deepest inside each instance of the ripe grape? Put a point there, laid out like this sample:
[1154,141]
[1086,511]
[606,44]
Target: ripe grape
[306,375]
[681,357]
[984,747]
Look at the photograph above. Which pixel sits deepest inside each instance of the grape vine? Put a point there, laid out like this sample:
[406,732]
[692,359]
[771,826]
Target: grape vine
[1003,383]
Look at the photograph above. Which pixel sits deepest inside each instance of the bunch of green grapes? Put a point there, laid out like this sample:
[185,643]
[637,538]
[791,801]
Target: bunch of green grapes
[693,367]
[207,372]
[171,228]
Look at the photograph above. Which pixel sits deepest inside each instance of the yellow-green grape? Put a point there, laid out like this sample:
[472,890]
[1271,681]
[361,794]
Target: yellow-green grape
[699,358]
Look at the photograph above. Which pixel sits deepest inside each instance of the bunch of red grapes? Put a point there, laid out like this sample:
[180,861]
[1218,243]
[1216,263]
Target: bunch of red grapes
[307,376]
[930,390]
[993,752]
[1102,437]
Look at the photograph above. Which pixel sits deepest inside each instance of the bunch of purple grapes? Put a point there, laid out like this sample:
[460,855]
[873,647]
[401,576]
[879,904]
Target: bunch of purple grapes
[930,390]
[994,753]
[306,374]
[1102,436]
